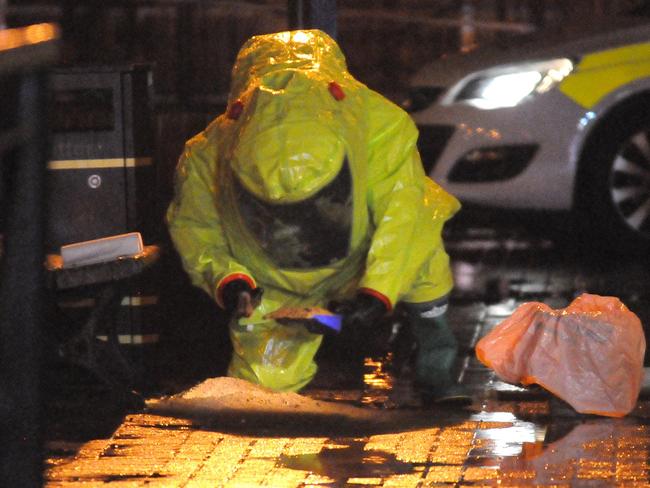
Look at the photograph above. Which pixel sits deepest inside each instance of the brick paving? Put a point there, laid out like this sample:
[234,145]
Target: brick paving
[510,436]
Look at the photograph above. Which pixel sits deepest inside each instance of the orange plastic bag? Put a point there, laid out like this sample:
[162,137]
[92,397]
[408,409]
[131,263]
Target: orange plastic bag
[590,354]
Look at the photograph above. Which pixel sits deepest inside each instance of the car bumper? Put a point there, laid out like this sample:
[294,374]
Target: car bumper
[531,147]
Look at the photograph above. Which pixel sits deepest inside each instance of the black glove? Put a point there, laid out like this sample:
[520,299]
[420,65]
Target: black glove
[362,324]
[239,299]
[360,312]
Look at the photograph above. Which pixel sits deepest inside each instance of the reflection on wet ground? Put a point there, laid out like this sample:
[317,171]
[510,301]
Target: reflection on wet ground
[351,460]
[509,436]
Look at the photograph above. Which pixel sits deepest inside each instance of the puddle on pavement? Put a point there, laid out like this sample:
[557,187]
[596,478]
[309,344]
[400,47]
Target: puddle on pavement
[349,459]
[505,436]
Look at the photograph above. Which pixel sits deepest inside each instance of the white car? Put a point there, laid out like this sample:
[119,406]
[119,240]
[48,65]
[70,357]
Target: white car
[560,127]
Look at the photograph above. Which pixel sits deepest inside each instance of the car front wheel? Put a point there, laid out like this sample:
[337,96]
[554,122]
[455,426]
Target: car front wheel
[614,181]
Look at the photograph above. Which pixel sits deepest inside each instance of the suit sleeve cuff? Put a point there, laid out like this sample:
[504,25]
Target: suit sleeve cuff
[229,279]
[383,298]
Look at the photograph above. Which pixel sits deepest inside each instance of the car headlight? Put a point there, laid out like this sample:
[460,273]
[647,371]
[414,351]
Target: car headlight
[509,85]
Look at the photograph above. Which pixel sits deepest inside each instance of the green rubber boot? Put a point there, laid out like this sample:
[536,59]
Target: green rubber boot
[435,355]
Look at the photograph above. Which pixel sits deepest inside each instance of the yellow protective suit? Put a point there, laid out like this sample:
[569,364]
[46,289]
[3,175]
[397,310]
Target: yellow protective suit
[295,114]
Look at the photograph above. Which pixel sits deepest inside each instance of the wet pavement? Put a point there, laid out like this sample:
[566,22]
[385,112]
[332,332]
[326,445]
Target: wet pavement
[382,436]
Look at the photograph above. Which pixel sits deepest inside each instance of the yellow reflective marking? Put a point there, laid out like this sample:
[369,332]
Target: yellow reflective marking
[601,73]
[133,338]
[99,163]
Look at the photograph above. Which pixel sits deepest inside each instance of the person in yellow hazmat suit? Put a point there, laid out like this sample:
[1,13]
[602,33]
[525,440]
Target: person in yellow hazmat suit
[310,187]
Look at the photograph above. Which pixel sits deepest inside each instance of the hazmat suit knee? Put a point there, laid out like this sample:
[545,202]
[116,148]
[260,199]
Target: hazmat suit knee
[310,186]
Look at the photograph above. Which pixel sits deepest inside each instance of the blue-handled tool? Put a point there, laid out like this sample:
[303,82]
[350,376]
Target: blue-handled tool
[333,322]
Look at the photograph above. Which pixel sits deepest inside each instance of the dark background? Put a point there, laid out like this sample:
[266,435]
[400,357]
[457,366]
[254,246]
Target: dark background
[192,43]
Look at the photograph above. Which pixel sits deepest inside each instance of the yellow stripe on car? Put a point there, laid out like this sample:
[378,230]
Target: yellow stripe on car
[601,73]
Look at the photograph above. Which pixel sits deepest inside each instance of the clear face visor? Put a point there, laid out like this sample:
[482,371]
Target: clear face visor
[312,233]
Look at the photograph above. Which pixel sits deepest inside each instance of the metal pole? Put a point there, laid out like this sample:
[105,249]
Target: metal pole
[21,296]
[467,30]
[322,15]
[313,14]
[296,13]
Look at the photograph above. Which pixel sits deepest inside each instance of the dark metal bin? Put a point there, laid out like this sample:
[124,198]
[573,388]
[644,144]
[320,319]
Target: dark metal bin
[102,182]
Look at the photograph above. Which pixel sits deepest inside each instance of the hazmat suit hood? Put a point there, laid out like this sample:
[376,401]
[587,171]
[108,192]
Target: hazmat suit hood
[286,89]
